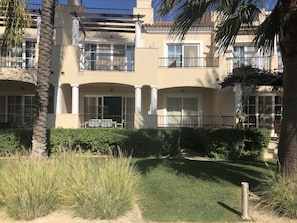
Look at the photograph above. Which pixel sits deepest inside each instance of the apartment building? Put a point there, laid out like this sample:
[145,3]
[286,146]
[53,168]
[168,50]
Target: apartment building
[120,68]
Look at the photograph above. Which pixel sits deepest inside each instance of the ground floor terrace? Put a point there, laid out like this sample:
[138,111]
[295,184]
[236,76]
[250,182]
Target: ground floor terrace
[124,106]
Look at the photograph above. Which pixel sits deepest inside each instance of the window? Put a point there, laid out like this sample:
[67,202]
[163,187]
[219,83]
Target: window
[182,111]
[2,108]
[29,109]
[175,55]
[265,111]
[249,56]
[30,54]
[262,110]
[14,110]
[107,57]
[19,110]
[186,55]
[109,107]
[22,55]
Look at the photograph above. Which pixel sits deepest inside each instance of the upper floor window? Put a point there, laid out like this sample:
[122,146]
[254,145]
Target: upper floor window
[183,55]
[107,57]
[250,56]
[21,56]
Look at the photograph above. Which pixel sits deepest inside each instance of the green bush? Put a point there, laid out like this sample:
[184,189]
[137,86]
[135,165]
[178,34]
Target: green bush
[100,188]
[13,141]
[226,144]
[218,143]
[151,142]
[29,189]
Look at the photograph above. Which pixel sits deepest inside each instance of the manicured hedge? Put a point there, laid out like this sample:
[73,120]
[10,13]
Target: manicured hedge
[226,144]
[218,143]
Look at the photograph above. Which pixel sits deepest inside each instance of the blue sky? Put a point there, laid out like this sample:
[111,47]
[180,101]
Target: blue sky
[122,4]
[127,4]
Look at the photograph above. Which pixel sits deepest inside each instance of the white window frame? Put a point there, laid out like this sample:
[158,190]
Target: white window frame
[182,96]
[197,43]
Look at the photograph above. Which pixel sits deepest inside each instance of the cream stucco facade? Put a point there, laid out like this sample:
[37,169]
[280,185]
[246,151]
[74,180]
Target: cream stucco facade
[105,74]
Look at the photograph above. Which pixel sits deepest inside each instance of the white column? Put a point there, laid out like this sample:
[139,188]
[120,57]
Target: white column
[24,54]
[138,33]
[137,100]
[75,99]
[38,28]
[238,98]
[58,99]
[154,100]
[75,31]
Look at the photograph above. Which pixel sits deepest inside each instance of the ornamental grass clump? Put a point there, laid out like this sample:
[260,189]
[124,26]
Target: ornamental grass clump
[279,194]
[101,188]
[29,189]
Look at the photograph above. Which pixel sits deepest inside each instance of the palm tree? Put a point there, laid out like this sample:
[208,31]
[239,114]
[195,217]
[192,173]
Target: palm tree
[39,139]
[16,19]
[235,14]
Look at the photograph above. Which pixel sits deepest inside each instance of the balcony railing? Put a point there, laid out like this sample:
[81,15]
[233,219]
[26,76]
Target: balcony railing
[187,62]
[195,121]
[17,62]
[106,60]
[117,64]
[256,62]
[108,121]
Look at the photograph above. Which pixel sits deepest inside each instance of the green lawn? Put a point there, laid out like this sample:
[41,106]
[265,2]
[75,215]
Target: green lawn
[195,191]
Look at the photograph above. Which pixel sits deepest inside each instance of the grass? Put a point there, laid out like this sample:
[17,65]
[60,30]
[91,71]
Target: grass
[101,188]
[195,191]
[168,190]
[29,189]
[92,187]
[279,195]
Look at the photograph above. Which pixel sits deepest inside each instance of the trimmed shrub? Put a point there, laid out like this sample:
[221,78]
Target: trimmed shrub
[13,141]
[226,144]
[218,143]
[151,142]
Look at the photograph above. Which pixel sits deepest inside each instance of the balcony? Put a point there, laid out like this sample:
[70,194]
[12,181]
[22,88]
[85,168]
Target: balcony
[255,62]
[17,62]
[172,121]
[111,58]
[187,62]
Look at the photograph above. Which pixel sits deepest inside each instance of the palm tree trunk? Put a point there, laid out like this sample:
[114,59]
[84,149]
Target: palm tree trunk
[288,43]
[39,139]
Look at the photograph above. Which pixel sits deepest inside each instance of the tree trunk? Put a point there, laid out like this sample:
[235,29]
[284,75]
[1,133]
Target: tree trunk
[288,44]
[39,139]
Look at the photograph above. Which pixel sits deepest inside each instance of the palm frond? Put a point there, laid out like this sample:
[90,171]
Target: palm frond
[16,19]
[190,12]
[232,22]
[166,6]
[266,32]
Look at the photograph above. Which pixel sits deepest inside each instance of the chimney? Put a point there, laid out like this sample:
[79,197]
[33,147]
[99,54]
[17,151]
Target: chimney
[73,2]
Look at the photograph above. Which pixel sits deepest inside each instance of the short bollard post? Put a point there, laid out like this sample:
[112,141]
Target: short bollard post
[245,200]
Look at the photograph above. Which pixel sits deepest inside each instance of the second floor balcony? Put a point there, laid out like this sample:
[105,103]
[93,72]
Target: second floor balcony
[187,62]
[107,57]
[20,56]
[260,62]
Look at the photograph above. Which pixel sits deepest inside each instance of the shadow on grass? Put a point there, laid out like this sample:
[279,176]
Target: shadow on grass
[215,171]
[229,208]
